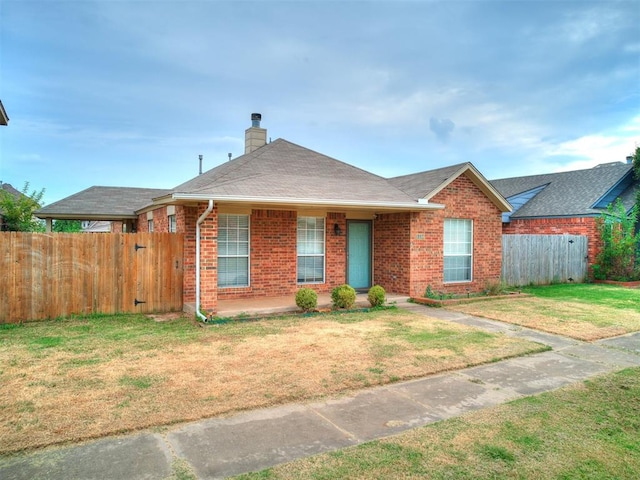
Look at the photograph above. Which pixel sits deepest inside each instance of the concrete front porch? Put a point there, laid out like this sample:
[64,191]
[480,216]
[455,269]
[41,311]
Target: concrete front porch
[270,305]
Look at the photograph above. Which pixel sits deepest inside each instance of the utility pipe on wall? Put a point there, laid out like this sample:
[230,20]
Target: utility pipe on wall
[200,220]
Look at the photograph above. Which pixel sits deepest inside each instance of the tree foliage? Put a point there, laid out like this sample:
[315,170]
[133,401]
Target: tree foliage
[618,259]
[636,170]
[18,211]
[67,226]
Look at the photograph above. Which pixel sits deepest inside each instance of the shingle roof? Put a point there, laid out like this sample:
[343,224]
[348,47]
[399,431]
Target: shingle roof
[421,185]
[565,193]
[428,184]
[102,203]
[284,170]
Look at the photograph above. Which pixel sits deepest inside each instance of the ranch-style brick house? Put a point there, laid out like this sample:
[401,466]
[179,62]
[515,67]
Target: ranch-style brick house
[281,217]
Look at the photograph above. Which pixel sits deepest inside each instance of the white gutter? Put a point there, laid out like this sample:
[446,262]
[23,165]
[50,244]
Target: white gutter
[311,202]
[200,220]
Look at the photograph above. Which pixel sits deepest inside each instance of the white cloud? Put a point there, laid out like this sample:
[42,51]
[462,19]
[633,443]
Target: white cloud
[591,150]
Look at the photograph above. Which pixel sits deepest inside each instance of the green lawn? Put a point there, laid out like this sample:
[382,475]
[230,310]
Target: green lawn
[589,430]
[596,294]
[585,312]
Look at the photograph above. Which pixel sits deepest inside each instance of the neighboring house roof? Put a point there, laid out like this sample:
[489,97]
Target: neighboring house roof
[283,173]
[4,118]
[101,203]
[426,185]
[568,194]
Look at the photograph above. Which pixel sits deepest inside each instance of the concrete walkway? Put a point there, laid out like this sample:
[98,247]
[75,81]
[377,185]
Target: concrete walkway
[221,447]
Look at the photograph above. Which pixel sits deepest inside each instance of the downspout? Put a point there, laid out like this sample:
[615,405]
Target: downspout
[200,220]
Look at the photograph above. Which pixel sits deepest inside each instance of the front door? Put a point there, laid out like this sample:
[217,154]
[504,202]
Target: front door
[359,254]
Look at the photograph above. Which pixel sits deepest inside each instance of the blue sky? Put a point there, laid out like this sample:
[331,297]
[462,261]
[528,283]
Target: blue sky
[129,93]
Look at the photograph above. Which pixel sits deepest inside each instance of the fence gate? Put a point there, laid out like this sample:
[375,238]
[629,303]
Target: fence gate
[543,259]
[60,274]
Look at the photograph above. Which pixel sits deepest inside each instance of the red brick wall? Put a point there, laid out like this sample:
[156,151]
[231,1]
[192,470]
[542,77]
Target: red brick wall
[409,247]
[186,223]
[392,252]
[336,253]
[274,255]
[558,226]
[464,200]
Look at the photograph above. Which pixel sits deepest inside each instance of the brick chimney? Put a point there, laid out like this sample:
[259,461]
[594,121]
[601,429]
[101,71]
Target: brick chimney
[254,137]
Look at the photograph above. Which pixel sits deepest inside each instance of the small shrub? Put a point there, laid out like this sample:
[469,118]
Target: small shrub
[376,296]
[429,293]
[495,288]
[306,299]
[343,296]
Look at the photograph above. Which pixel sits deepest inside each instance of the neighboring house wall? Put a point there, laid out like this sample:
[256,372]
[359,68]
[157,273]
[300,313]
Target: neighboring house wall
[559,226]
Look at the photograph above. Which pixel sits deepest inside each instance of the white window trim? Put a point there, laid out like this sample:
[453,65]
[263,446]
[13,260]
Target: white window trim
[248,255]
[458,255]
[324,252]
[150,225]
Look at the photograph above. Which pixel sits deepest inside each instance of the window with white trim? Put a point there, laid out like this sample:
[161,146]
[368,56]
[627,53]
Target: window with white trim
[458,250]
[310,250]
[172,223]
[233,250]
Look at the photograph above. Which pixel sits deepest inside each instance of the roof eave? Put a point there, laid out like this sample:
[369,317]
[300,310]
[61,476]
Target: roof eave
[85,216]
[309,202]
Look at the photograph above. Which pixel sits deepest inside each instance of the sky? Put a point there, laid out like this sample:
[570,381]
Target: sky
[129,93]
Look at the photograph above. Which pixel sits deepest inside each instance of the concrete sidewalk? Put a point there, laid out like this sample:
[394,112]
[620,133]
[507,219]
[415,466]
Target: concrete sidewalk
[221,447]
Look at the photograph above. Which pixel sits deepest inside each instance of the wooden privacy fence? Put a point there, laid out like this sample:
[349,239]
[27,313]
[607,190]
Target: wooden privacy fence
[543,259]
[49,275]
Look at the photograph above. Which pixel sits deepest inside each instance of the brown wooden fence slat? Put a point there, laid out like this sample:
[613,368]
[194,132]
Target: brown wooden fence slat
[61,274]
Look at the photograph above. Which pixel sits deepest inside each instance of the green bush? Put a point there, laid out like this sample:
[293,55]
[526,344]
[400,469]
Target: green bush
[619,258]
[306,299]
[343,296]
[376,296]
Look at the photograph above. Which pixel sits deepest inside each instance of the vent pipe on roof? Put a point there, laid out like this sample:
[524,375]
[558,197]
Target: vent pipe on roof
[229,154]
[200,168]
[629,159]
[255,120]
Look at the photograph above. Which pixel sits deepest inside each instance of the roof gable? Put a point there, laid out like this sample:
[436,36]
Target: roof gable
[426,185]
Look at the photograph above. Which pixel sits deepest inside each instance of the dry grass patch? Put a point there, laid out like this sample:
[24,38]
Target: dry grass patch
[579,320]
[69,380]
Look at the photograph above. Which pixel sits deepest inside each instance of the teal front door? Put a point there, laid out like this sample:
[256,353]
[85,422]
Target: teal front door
[359,254]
